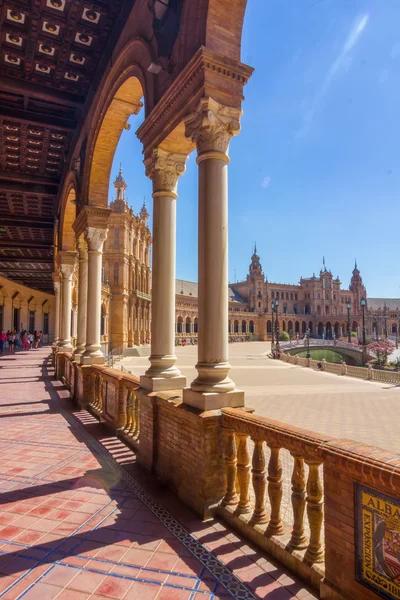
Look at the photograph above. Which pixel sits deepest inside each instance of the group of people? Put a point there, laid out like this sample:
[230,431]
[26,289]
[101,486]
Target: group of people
[20,339]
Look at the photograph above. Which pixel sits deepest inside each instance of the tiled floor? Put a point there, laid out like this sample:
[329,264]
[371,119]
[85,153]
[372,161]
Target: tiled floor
[79,519]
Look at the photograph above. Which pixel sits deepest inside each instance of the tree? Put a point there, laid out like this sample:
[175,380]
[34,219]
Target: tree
[284,336]
[382,349]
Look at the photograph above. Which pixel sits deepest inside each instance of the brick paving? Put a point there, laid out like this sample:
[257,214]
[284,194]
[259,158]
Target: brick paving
[79,519]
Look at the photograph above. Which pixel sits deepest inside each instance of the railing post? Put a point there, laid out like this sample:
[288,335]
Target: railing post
[298,539]
[259,483]
[344,368]
[136,416]
[231,496]
[129,413]
[369,374]
[323,362]
[315,550]
[275,526]
[243,474]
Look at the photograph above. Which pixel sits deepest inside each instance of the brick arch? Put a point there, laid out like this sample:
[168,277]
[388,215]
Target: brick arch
[124,103]
[66,235]
[118,97]
[216,24]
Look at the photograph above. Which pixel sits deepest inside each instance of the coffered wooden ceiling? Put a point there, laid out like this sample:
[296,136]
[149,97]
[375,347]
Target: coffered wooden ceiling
[50,52]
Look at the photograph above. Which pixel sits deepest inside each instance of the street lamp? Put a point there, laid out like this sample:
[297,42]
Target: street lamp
[277,324]
[385,317]
[348,306]
[308,355]
[272,327]
[363,303]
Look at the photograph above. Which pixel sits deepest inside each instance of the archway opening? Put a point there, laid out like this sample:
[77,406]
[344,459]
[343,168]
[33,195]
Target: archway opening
[126,101]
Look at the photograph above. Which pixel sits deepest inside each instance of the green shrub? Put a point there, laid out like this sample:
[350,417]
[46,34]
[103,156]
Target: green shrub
[284,336]
[354,334]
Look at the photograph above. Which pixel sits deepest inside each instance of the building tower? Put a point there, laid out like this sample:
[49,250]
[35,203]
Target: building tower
[120,187]
[357,287]
[257,298]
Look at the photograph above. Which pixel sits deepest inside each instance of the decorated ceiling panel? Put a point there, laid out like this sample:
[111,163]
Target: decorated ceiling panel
[50,52]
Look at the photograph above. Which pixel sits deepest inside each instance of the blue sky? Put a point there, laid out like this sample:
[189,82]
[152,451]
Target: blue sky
[315,170]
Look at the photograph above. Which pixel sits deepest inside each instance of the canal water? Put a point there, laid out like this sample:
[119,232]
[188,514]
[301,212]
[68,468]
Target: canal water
[329,355]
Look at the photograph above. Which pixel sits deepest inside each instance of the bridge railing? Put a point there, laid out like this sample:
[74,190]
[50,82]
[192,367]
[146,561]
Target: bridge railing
[315,342]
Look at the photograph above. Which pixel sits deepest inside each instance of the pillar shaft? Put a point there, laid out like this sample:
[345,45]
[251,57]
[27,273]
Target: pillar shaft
[82,297]
[164,169]
[95,238]
[57,285]
[67,264]
[211,128]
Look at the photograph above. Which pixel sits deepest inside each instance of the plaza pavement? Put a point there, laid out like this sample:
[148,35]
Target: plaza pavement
[322,402]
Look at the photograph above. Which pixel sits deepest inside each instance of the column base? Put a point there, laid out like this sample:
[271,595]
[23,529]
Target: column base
[213,400]
[65,347]
[162,384]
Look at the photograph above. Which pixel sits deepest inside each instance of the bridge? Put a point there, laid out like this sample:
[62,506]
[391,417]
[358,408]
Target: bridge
[345,349]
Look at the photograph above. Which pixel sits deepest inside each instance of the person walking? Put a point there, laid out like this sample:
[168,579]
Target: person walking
[11,342]
[36,339]
[25,341]
[30,340]
[3,337]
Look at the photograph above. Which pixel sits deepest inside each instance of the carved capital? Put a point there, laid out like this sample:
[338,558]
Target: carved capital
[66,262]
[82,248]
[95,238]
[212,126]
[164,169]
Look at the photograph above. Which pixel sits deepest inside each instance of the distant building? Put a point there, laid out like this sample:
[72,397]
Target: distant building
[317,303]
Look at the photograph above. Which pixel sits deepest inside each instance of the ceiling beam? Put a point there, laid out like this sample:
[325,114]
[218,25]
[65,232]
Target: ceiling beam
[11,244]
[18,115]
[28,261]
[22,272]
[12,181]
[25,221]
[34,90]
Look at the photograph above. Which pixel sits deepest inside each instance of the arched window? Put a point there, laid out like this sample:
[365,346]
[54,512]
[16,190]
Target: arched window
[116,273]
[291,295]
[188,325]
[236,327]
[297,327]
[272,294]
[287,295]
[244,329]
[103,321]
[196,326]
[180,325]
[251,327]
[295,296]
[269,326]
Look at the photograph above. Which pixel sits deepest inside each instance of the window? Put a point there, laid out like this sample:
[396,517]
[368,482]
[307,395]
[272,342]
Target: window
[287,295]
[272,294]
[295,309]
[116,274]
[45,323]
[31,327]
[116,238]
[285,308]
[295,296]
[259,305]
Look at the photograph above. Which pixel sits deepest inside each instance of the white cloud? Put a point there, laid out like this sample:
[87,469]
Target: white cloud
[342,63]
[266,181]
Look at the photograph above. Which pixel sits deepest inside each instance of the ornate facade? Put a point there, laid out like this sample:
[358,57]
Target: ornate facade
[318,303]
[126,270]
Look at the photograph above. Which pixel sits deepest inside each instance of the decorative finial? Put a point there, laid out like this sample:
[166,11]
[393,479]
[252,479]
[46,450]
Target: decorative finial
[255,247]
[323,262]
[355,263]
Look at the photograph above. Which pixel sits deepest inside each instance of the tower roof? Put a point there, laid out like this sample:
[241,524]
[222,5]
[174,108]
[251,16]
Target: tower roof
[120,178]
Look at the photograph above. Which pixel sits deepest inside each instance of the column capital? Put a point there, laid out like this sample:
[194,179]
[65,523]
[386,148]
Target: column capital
[95,238]
[82,248]
[66,262]
[56,280]
[212,126]
[164,169]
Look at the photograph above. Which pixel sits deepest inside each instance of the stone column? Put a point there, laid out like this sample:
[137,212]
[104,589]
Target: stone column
[82,297]
[95,238]
[67,262]
[164,169]
[57,285]
[211,128]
